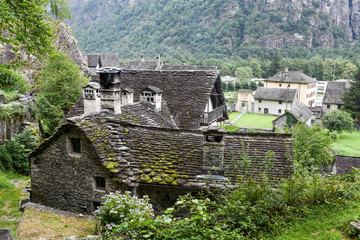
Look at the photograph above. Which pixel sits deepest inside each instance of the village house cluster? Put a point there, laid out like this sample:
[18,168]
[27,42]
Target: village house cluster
[150,128]
[293,92]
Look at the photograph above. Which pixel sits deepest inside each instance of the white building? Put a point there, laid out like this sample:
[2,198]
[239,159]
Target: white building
[274,101]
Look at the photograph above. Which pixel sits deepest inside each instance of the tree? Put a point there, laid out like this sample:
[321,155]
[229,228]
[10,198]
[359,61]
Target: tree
[59,87]
[352,97]
[24,24]
[60,9]
[244,73]
[311,146]
[14,152]
[275,65]
[338,121]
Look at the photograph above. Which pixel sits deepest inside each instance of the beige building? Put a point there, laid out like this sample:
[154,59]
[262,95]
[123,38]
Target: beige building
[244,100]
[305,85]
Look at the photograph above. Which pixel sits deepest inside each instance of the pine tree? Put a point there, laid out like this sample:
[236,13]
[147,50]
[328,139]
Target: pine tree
[275,65]
[352,97]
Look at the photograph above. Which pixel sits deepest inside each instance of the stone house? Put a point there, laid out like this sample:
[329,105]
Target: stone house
[333,95]
[299,112]
[161,141]
[305,85]
[95,61]
[274,101]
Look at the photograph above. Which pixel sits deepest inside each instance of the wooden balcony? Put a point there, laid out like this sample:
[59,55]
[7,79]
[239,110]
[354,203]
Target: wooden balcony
[210,117]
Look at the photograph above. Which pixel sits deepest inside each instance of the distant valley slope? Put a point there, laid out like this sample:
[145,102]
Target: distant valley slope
[213,28]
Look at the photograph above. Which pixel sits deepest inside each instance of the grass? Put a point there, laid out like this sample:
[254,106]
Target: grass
[233,115]
[41,224]
[255,120]
[323,223]
[348,144]
[10,195]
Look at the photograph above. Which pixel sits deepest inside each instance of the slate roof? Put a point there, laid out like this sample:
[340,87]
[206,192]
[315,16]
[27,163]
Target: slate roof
[186,93]
[147,155]
[93,59]
[291,77]
[138,65]
[276,94]
[109,60]
[301,112]
[334,92]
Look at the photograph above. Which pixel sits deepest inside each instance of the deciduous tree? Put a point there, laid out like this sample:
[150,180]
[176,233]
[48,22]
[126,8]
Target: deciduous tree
[338,121]
[24,24]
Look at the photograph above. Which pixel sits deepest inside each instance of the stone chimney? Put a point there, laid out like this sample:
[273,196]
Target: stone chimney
[158,62]
[286,69]
[92,102]
[142,58]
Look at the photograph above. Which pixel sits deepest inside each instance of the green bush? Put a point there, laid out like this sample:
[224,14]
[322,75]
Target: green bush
[121,213]
[14,152]
[12,81]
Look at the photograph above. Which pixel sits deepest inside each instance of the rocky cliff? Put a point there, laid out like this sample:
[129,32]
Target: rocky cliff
[212,28]
[64,41]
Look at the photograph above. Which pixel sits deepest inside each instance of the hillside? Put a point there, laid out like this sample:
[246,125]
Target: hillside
[215,28]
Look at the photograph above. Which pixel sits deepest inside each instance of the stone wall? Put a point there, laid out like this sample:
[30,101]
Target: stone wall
[158,162]
[66,181]
[344,164]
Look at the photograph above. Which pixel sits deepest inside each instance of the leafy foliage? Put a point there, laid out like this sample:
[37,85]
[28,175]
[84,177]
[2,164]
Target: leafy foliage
[61,81]
[311,146]
[59,87]
[24,24]
[352,97]
[120,212]
[253,209]
[11,80]
[338,121]
[13,153]
[60,9]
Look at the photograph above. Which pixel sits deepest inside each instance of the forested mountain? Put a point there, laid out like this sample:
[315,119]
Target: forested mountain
[224,29]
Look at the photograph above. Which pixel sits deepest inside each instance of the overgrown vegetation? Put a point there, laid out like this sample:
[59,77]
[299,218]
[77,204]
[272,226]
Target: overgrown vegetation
[59,88]
[14,152]
[312,146]
[253,209]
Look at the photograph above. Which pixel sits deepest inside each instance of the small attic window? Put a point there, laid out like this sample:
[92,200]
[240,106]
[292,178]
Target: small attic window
[213,138]
[75,145]
[100,182]
[148,96]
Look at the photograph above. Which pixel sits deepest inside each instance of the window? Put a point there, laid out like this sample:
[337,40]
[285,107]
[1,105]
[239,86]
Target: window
[148,96]
[328,106]
[279,110]
[279,84]
[280,102]
[211,138]
[288,85]
[339,106]
[100,182]
[266,110]
[259,109]
[75,145]
[259,100]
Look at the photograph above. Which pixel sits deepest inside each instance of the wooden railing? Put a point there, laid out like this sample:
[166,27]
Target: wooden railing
[212,116]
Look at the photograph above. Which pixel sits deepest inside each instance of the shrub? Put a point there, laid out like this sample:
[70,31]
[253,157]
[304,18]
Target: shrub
[122,213]
[11,80]
[13,153]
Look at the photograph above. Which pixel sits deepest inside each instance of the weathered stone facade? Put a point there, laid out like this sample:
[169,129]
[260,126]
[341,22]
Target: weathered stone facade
[144,158]
[345,164]
[157,150]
